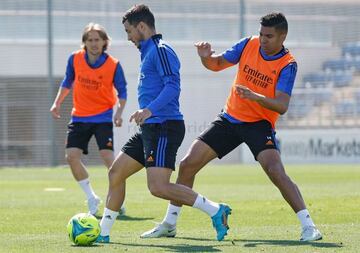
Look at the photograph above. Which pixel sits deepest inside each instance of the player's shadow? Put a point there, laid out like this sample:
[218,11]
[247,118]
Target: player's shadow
[87,246]
[128,218]
[195,239]
[176,248]
[317,244]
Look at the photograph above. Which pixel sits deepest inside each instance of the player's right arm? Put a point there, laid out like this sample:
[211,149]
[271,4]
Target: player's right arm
[120,85]
[209,60]
[61,95]
[64,89]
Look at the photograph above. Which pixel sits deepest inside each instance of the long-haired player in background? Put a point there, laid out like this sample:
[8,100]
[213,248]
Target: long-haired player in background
[94,76]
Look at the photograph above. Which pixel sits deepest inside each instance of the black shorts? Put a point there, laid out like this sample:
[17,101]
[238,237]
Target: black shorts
[79,135]
[223,136]
[156,144]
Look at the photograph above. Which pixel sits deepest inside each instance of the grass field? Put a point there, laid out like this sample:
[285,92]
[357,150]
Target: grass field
[36,204]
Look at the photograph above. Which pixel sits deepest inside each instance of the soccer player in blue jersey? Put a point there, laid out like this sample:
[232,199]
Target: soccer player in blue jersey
[161,130]
[93,75]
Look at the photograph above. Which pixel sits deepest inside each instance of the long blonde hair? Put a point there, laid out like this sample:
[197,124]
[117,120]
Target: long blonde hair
[102,33]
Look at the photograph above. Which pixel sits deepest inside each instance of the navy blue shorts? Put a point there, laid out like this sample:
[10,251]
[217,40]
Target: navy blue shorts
[156,144]
[223,136]
[79,135]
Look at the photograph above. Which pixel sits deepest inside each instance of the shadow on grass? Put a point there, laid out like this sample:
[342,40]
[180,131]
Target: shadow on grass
[182,247]
[128,218]
[87,246]
[317,244]
[196,239]
[175,248]
[237,243]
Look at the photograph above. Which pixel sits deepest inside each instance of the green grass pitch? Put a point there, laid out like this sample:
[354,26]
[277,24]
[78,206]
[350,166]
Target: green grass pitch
[34,211]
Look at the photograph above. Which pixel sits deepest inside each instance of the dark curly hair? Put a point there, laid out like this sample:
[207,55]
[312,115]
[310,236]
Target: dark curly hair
[139,13]
[276,20]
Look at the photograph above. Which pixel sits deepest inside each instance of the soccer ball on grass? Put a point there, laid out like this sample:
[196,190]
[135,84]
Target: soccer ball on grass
[83,229]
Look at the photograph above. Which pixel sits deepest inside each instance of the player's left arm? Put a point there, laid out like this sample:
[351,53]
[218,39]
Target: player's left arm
[167,65]
[280,103]
[171,90]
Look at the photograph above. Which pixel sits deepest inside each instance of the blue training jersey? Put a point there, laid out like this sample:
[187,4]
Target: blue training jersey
[119,83]
[159,80]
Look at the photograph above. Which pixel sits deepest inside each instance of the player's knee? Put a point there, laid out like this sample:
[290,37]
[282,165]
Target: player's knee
[157,190]
[112,175]
[116,177]
[72,158]
[276,173]
[187,168]
[108,159]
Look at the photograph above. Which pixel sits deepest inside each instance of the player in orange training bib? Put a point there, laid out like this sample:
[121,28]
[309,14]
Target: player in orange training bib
[95,77]
[260,92]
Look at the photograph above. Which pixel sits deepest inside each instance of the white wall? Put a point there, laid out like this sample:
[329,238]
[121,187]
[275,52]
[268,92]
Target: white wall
[316,146]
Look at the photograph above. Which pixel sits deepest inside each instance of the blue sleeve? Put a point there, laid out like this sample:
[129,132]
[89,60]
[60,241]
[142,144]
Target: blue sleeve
[287,78]
[169,92]
[120,82]
[168,67]
[233,54]
[70,73]
[166,61]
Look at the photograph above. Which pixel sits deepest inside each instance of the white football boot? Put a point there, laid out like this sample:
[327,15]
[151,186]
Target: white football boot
[310,233]
[93,205]
[122,211]
[161,230]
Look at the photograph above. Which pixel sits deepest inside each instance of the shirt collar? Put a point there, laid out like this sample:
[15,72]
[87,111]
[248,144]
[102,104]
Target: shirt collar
[282,52]
[102,58]
[144,44]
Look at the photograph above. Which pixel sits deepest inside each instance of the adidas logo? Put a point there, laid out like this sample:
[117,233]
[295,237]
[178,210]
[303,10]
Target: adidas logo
[269,142]
[150,159]
[108,217]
